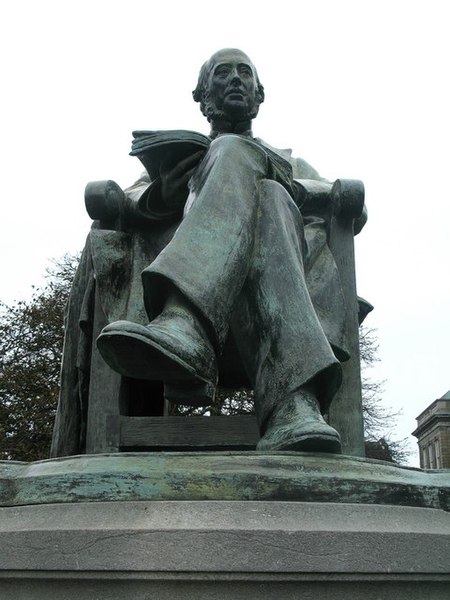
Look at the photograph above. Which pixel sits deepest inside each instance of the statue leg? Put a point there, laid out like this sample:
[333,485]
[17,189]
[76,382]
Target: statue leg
[191,287]
[232,247]
[210,254]
[287,356]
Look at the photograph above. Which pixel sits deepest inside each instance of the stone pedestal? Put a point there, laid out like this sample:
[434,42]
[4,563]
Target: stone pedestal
[222,525]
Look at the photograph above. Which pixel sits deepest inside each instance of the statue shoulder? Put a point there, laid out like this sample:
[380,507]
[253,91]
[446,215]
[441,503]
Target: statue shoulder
[303,170]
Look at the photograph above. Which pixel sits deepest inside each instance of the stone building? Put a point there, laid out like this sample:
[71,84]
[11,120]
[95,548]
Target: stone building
[433,434]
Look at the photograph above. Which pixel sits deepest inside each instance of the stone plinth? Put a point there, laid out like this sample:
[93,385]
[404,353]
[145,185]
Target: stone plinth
[243,526]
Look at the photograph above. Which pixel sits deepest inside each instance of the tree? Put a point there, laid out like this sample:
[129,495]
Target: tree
[31,340]
[388,449]
[379,420]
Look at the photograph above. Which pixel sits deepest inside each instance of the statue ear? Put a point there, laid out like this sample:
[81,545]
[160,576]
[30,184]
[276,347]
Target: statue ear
[261,94]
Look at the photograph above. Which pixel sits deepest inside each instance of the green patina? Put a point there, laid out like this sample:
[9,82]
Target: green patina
[302,477]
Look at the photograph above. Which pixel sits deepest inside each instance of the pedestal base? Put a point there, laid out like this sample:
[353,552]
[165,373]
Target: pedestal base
[220,549]
[222,525]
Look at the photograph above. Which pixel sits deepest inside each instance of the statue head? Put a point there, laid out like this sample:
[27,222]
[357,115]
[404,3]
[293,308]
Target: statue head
[228,87]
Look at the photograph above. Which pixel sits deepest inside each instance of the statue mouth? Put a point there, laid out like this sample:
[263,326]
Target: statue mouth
[235,94]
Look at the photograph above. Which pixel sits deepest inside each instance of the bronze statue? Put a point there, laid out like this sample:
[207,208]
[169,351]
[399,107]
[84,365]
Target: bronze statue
[242,259]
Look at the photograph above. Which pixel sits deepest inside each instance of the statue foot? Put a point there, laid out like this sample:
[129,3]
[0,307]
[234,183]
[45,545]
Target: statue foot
[298,425]
[308,437]
[172,348]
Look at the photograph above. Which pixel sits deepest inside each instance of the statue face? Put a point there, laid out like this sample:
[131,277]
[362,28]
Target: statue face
[232,84]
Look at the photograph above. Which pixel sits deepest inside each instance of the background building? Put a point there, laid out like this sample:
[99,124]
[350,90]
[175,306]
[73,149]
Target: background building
[433,434]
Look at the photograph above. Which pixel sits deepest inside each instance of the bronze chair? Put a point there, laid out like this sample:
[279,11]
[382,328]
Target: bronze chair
[101,411]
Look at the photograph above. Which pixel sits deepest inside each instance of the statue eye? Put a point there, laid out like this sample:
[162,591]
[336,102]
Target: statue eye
[246,71]
[222,71]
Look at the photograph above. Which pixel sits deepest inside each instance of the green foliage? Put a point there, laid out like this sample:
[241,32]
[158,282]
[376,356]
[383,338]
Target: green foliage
[31,340]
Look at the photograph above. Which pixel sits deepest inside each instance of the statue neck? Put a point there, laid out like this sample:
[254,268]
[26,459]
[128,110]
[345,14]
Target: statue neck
[219,127]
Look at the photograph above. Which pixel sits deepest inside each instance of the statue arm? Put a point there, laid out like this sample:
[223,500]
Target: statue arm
[164,198]
[318,192]
[145,198]
[110,207]
[146,201]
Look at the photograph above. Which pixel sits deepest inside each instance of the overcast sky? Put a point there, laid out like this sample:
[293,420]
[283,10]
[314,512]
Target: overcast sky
[358,89]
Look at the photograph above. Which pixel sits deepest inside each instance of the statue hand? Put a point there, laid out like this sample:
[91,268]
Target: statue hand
[174,180]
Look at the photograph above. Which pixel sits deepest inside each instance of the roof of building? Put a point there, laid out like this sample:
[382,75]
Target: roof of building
[439,410]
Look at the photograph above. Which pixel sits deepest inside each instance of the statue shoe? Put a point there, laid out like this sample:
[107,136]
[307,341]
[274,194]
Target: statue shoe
[173,347]
[298,425]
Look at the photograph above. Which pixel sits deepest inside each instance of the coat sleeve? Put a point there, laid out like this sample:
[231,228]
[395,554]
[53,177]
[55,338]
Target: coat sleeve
[144,200]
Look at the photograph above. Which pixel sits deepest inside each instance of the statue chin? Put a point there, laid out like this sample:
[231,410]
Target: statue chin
[234,112]
[237,108]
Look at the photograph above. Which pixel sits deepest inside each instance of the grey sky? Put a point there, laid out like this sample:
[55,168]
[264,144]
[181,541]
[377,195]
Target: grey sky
[358,89]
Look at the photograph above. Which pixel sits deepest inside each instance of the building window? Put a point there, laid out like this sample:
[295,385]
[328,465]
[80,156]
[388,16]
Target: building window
[424,458]
[431,456]
[437,453]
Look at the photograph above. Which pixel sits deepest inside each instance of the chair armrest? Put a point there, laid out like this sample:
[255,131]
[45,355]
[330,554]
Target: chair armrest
[347,196]
[348,202]
[343,199]
[104,201]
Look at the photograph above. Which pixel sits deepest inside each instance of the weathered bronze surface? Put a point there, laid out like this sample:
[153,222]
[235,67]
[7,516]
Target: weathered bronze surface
[287,476]
[229,247]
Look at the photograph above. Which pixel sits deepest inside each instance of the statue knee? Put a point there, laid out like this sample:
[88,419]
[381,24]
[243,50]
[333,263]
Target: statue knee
[234,146]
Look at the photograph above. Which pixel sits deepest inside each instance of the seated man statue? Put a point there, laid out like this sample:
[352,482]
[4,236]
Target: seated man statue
[243,259]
